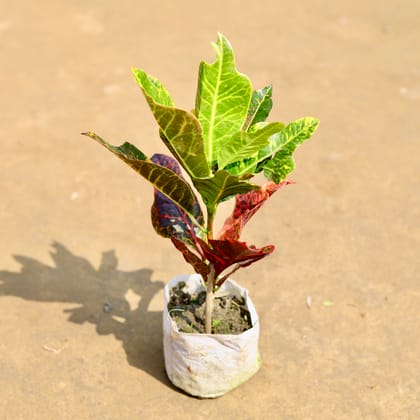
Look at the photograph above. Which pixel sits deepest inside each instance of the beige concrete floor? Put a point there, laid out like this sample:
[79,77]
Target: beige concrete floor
[74,221]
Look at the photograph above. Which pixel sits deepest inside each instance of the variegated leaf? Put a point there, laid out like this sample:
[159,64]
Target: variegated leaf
[246,206]
[164,180]
[294,134]
[260,107]
[180,129]
[222,102]
[197,262]
[221,187]
[284,143]
[153,87]
[244,146]
[225,253]
[168,218]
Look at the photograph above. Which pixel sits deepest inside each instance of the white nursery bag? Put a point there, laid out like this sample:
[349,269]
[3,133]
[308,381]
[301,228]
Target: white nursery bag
[209,365]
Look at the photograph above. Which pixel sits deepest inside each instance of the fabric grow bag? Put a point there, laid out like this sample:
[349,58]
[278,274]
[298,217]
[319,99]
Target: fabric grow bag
[209,365]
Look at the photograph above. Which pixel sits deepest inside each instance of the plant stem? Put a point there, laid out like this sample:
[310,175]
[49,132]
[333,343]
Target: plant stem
[209,299]
[211,280]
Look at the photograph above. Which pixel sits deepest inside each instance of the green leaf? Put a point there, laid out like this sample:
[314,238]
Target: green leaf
[163,179]
[152,87]
[294,134]
[260,106]
[180,130]
[245,145]
[291,136]
[279,167]
[221,187]
[223,97]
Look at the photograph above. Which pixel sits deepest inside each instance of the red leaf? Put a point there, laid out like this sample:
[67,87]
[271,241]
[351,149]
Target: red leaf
[190,257]
[224,253]
[246,206]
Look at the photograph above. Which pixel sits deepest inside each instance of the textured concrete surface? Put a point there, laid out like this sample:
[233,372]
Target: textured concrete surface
[82,271]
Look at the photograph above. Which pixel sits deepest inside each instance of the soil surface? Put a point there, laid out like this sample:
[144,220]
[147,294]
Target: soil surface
[82,270]
[230,314]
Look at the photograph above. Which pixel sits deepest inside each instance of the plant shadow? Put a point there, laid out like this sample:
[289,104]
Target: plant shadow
[115,301]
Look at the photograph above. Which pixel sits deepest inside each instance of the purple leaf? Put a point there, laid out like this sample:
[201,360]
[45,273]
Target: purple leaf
[168,219]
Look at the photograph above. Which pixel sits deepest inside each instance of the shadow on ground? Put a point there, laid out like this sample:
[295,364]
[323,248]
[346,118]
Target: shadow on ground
[115,301]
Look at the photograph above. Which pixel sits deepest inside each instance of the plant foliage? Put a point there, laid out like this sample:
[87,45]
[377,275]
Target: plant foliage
[222,144]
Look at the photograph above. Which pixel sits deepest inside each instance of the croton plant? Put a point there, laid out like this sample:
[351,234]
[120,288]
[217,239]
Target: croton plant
[221,145]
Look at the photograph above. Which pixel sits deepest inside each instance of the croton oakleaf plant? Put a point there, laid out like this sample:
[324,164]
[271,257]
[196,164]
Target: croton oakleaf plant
[221,145]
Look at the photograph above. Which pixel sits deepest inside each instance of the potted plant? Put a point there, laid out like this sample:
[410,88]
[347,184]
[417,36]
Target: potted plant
[220,146]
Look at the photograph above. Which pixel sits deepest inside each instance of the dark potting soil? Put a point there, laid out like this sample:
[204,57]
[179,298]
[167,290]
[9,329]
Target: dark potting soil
[230,314]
